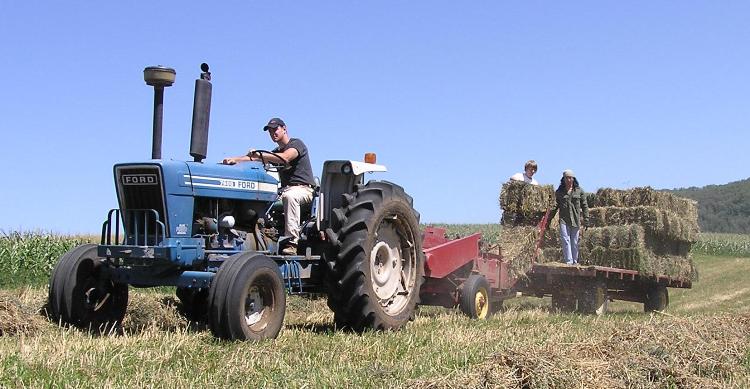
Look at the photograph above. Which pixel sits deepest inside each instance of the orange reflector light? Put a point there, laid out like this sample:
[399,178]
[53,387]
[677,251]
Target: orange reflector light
[370,157]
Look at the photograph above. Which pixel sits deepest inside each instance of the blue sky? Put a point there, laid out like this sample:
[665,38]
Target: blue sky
[453,96]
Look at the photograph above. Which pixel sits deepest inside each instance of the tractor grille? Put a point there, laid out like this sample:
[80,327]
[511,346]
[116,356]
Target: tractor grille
[140,188]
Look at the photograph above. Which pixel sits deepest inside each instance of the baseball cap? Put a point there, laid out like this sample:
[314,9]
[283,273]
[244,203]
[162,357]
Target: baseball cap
[274,124]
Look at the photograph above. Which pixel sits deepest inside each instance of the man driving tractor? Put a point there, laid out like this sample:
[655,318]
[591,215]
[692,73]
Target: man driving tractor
[297,181]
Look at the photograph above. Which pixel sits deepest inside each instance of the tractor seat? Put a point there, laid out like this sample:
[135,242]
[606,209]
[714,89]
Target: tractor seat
[307,209]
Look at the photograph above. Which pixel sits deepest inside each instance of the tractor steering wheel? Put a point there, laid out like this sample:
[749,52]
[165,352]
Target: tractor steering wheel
[273,167]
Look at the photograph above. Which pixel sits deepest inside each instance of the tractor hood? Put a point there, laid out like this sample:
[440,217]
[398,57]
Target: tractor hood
[170,187]
[245,181]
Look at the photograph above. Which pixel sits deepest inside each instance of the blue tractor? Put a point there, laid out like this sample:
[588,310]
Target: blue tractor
[215,231]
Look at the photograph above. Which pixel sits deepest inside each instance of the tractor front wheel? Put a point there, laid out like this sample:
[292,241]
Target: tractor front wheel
[247,300]
[81,294]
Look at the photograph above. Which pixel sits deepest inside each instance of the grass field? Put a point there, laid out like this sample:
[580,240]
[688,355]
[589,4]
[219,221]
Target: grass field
[702,340]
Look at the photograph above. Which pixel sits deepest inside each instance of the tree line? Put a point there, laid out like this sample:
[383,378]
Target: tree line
[721,208]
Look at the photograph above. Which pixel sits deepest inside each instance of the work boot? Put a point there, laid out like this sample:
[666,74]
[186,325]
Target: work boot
[289,250]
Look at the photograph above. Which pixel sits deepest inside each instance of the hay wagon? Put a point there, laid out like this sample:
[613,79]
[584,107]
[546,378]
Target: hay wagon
[458,272]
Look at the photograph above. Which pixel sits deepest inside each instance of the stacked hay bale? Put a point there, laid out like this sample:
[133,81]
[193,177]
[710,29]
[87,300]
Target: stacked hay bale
[523,208]
[641,229]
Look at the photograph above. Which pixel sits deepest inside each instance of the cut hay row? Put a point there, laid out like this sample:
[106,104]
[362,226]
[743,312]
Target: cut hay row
[524,346]
[145,310]
[665,352]
[17,318]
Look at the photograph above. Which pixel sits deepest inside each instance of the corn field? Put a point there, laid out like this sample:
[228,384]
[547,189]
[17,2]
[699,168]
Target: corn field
[32,255]
[731,245]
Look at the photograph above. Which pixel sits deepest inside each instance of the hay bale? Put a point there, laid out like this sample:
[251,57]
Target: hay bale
[551,236]
[630,247]
[646,196]
[676,266]
[622,247]
[614,237]
[518,247]
[591,199]
[551,254]
[525,204]
[659,222]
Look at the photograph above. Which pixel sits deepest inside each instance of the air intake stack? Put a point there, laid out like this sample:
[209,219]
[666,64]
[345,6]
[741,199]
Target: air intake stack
[201,113]
[159,77]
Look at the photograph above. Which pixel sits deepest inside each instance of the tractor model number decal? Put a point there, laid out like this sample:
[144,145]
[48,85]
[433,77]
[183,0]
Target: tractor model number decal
[139,179]
[227,183]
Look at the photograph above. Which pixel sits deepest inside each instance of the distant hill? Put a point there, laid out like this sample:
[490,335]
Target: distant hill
[721,208]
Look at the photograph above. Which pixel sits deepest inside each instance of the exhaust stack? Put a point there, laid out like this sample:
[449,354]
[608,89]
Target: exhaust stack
[159,77]
[201,113]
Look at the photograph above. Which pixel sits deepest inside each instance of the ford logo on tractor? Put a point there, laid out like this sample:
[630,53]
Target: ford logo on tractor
[138,179]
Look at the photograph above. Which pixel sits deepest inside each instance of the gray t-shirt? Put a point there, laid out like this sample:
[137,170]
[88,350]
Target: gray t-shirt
[300,171]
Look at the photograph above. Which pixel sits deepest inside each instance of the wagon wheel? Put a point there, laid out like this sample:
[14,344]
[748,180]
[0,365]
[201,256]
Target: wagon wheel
[656,298]
[563,301]
[592,299]
[475,298]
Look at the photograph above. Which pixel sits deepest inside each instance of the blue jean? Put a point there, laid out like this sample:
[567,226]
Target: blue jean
[569,236]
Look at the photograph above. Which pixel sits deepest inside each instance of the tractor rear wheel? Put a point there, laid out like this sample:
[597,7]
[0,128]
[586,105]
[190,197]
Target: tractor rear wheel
[379,266]
[247,300]
[81,295]
[475,297]
[656,299]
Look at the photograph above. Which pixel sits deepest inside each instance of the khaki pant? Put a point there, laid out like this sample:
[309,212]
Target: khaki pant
[293,197]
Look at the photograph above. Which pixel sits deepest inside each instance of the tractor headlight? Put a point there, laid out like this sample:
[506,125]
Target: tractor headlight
[346,169]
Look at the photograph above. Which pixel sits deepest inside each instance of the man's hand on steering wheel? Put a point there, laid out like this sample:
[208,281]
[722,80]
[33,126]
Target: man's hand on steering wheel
[271,166]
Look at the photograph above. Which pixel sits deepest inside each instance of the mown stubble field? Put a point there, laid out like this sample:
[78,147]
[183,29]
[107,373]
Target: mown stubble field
[702,340]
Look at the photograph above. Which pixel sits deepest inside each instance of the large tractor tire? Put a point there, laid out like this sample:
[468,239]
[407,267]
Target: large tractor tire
[81,295]
[379,265]
[247,300]
[475,297]
[656,298]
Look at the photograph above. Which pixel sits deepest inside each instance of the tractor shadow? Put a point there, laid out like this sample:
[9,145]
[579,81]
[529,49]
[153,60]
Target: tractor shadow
[319,328]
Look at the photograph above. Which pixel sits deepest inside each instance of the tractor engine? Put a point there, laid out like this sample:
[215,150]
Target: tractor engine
[234,224]
[217,208]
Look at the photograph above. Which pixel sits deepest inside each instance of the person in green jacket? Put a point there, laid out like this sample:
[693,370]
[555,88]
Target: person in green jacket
[574,212]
